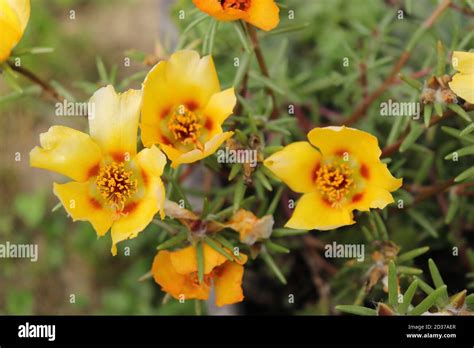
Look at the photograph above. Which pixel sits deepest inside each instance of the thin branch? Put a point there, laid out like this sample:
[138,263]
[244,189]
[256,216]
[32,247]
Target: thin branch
[262,65]
[362,108]
[47,88]
[392,148]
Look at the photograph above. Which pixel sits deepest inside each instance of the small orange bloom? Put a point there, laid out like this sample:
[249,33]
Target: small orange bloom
[177,274]
[263,14]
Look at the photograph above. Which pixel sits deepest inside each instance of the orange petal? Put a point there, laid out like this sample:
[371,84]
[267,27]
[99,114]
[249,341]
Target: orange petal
[185,260]
[174,283]
[264,14]
[228,284]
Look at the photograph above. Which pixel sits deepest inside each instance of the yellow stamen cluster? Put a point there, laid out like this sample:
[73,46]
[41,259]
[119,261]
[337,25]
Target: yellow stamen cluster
[242,5]
[334,181]
[185,126]
[115,184]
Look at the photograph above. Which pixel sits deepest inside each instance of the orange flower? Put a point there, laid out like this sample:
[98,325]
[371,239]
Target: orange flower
[261,13]
[177,274]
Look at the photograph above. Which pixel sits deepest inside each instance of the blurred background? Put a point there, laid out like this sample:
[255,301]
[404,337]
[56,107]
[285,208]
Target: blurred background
[89,52]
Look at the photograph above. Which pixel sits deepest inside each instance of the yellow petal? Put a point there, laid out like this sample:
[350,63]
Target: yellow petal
[175,284]
[463,86]
[13,19]
[67,151]
[296,166]
[195,155]
[21,9]
[378,183]
[220,106]
[334,141]
[114,125]
[312,212]
[78,200]
[228,284]
[138,214]
[185,260]
[463,62]
[263,14]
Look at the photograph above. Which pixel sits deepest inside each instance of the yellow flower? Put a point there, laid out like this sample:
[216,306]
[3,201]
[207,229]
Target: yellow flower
[177,274]
[251,229]
[113,186]
[184,108]
[14,15]
[345,174]
[463,82]
[263,14]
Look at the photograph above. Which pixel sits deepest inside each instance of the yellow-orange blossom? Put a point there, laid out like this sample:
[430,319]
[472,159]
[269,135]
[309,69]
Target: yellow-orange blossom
[113,186]
[344,173]
[184,108]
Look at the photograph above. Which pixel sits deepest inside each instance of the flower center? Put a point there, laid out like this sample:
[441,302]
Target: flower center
[334,181]
[185,126]
[242,5]
[115,184]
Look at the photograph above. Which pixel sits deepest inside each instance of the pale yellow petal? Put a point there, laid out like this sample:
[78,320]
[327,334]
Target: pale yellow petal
[67,151]
[114,125]
[463,62]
